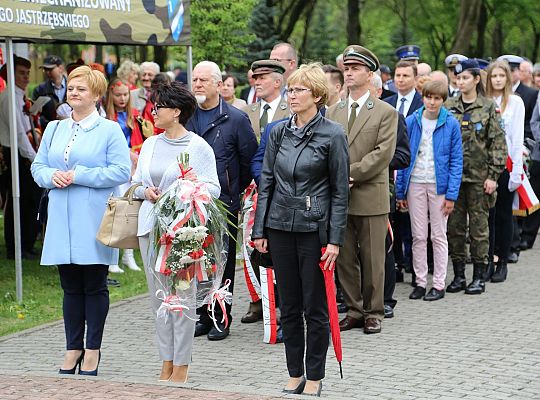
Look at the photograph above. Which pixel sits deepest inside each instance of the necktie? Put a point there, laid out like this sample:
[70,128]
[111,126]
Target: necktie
[402,105]
[352,117]
[264,117]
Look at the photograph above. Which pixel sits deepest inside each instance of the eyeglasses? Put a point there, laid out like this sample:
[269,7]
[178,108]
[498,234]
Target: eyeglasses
[281,59]
[297,91]
[157,107]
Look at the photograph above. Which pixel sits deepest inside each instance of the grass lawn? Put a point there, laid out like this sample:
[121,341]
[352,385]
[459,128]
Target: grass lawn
[42,294]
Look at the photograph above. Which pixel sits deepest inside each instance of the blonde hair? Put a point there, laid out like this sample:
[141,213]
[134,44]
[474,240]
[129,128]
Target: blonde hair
[95,79]
[126,68]
[313,77]
[109,103]
[507,91]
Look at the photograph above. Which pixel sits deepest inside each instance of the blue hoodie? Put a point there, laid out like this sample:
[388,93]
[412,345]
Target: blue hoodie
[447,154]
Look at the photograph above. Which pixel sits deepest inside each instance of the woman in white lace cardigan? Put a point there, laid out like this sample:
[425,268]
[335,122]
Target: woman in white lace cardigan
[157,169]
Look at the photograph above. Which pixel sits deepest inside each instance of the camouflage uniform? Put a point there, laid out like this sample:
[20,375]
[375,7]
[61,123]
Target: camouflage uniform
[484,157]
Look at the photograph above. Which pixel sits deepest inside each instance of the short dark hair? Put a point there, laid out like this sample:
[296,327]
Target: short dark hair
[227,76]
[176,95]
[406,64]
[335,72]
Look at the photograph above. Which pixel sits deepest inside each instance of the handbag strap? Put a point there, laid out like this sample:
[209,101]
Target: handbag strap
[131,191]
[52,137]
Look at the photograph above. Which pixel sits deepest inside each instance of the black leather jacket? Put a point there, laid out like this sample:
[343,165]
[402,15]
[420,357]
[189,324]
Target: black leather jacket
[304,184]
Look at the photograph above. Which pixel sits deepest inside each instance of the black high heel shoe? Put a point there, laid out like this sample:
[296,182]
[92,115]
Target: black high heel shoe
[91,373]
[72,370]
[297,390]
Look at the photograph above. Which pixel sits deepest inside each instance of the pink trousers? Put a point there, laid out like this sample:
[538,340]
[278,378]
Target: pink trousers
[425,206]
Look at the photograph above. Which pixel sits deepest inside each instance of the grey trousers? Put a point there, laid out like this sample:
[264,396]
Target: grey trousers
[174,337]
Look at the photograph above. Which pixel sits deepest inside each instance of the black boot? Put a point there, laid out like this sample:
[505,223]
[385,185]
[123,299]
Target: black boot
[489,271]
[500,272]
[478,285]
[459,283]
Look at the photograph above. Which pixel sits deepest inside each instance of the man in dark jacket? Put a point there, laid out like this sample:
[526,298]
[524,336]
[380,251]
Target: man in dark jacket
[229,132]
[54,87]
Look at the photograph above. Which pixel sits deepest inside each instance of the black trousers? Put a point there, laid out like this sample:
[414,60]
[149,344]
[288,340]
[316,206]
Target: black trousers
[230,269]
[501,224]
[532,222]
[302,293]
[86,301]
[29,203]
[389,274]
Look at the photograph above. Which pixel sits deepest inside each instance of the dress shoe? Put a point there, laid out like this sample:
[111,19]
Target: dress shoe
[342,308]
[349,323]
[513,257]
[71,371]
[179,374]
[93,372]
[372,325]
[317,393]
[417,293]
[434,294]
[489,271]
[201,329]
[113,282]
[297,390]
[215,334]
[459,282]
[166,371]
[251,317]
[500,273]
[388,311]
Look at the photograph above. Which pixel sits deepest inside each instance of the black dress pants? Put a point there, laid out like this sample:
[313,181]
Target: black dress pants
[86,301]
[532,222]
[230,269]
[300,283]
[30,194]
[501,224]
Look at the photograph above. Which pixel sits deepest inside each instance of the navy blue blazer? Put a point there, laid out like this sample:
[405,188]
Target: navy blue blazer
[416,103]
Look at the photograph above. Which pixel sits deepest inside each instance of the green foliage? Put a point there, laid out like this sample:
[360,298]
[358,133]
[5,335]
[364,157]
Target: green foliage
[219,31]
[262,24]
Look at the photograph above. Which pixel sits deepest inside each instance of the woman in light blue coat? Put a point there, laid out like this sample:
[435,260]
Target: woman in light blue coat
[81,160]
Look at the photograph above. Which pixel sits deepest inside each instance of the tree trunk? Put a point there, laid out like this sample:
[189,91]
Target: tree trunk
[497,43]
[160,56]
[143,54]
[469,14]
[117,53]
[481,31]
[353,21]
[309,13]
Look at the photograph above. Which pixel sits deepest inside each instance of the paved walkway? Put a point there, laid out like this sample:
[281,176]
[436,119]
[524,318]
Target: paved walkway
[463,347]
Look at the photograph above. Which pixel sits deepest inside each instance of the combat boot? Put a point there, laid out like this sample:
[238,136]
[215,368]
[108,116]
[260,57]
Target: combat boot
[500,272]
[459,283]
[478,285]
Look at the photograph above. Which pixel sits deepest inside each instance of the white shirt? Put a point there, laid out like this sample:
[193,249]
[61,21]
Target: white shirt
[408,101]
[453,91]
[361,101]
[513,119]
[76,129]
[424,166]
[251,95]
[274,104]
[515,86]
[22,120]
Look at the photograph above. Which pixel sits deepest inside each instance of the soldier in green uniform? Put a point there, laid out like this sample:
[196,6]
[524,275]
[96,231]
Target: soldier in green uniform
[484,157]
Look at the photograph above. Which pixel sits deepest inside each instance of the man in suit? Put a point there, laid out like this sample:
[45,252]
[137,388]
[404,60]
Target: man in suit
[54,87]
[371,128]
[268,75]
[248,94]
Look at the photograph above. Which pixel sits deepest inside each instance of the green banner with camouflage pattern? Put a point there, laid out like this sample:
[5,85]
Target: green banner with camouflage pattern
[143,22]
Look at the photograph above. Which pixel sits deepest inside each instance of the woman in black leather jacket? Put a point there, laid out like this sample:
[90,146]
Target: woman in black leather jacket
[302,206]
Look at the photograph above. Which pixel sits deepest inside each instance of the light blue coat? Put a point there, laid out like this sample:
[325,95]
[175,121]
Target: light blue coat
[100,159]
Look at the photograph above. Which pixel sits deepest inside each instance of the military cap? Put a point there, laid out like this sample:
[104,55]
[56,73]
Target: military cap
[408,52]
[355,54]
[16,61]
[513,60]
[51,62]
[261,67]
[483,64]
[385,69]
[465,65]
[453,59]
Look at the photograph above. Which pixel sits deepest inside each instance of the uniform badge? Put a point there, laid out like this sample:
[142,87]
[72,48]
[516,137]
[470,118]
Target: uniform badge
[283,106]
[478,126]
[369,105]
[342,104]
[254,107]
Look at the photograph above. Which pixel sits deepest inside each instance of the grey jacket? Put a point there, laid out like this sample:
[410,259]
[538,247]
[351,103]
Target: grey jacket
[304,184]
[535,130]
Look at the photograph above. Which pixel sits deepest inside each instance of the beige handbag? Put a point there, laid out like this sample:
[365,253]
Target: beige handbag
[119,225]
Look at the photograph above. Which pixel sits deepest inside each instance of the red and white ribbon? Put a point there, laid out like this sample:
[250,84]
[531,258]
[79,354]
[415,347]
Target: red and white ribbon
[525,201]
[170,303]
[220,296]
[268,305]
